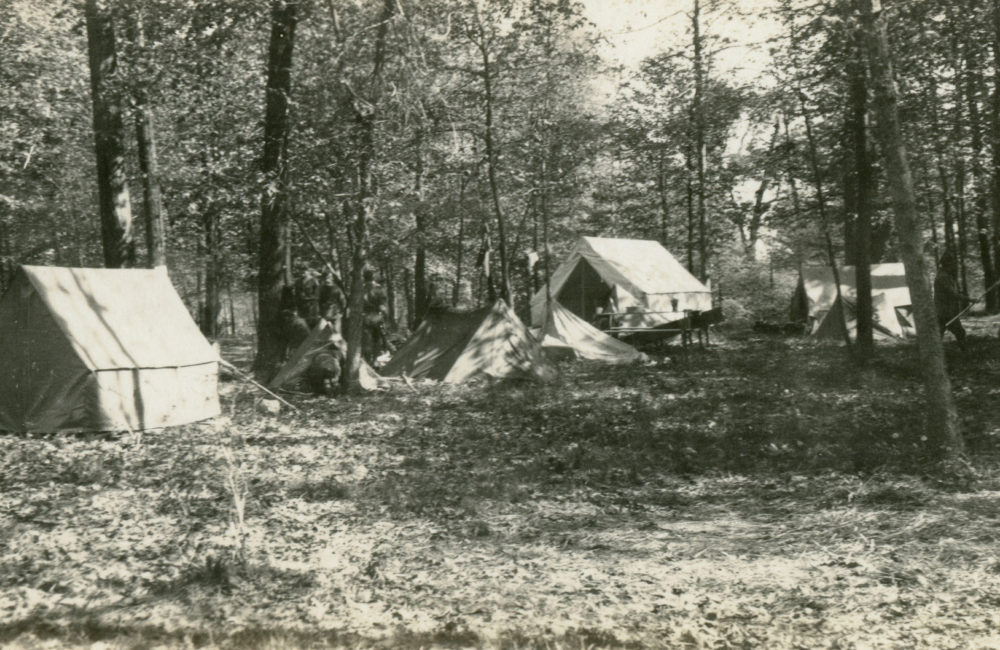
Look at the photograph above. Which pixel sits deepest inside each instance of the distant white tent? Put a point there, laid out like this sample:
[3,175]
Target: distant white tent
[564,332]
[637,279]
[815,300]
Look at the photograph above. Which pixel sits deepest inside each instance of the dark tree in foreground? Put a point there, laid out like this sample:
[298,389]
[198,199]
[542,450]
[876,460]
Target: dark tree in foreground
[941,414]
[275,199]
[109,139]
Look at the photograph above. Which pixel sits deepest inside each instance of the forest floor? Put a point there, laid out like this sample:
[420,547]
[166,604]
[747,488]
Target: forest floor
[761,493]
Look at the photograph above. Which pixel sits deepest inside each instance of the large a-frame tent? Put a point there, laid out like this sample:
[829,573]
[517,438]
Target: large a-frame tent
[566,331]
[815,300]
[635,278]
[101,350]
[456,346]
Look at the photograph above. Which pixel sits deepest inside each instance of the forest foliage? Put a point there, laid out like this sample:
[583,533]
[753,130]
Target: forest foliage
[715,165]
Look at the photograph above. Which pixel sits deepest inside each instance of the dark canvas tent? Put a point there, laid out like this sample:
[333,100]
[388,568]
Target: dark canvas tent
[564,331]
[455,346]
[101,350]
[815,300]
[635,277]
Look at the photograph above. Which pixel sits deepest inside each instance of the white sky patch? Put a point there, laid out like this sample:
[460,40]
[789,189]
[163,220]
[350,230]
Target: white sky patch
[636,29]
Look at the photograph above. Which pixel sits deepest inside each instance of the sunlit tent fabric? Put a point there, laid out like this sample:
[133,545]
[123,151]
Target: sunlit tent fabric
[885,322]
[564,329]
[456,346]
[322,337]
[101,350]
[816,294]
[635,277]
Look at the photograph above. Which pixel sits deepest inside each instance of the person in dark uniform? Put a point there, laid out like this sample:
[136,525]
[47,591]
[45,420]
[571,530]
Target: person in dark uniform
[373,339]
[949,301]
[308,296]
[329,298]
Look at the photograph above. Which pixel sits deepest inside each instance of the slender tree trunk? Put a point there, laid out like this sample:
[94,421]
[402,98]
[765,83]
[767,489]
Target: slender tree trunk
[455,293]
[661,191]
[275,200]
[145,135]
[942,418]
[699,138]
[213,275]
[689,195]
[980,198]
[389,275]
[365,116]
[109,139]
[995,133]
[824,221]
[491,166]
[420,259]
[757,217]
[408,296]
[863,182]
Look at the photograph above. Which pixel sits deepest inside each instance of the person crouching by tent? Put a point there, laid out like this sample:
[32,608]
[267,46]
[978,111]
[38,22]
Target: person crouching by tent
[949,301]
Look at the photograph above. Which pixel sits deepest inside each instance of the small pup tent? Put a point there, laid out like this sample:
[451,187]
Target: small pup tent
[455,346]
[101,350]
[815,300]
[565,331]
[324,337]
[638,280]
[885,322]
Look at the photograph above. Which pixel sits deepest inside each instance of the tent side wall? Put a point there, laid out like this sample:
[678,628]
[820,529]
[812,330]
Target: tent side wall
[151,398]
[43,384]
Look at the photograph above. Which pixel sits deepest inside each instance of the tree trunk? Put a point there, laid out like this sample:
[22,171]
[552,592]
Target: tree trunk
[145,135]
[942,418]
[995,134]
[980,198]
[275,199]
[109,139]
[824,221]
[661,191]
[491,167]
[455,293]
[863,182]
[389,276]
[365,116]
[421,298]
[699,138]
[213,276]
[689,196]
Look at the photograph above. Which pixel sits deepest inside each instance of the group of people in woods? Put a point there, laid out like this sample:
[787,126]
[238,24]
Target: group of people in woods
[314,296]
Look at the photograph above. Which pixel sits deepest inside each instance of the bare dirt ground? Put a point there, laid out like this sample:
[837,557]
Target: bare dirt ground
[760,493]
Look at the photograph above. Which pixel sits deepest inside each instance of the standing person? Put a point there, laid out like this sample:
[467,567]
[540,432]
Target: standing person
[373,339]
[948,299]
[329,298]
[308,296]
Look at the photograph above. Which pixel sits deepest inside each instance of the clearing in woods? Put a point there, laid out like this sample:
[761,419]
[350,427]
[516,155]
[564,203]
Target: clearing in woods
[760,493]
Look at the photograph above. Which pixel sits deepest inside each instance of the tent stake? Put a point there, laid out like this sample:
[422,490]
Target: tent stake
[245,378]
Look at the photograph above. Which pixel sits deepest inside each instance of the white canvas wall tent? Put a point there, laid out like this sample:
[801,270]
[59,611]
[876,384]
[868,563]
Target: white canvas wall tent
[564,333]
[456,346]
[815,301]
[637,279]
[101,350]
